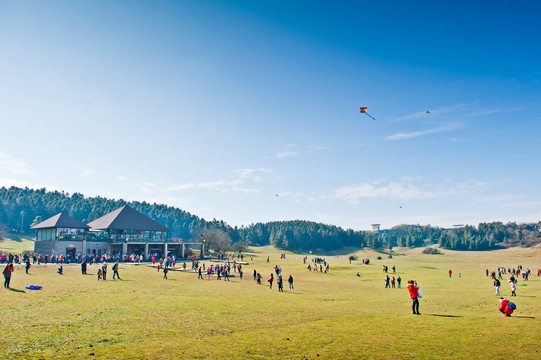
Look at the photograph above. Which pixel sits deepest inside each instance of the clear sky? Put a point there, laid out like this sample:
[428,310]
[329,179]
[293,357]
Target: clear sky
[248,111]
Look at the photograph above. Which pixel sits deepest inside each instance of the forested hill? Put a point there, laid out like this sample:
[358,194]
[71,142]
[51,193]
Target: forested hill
[21,208]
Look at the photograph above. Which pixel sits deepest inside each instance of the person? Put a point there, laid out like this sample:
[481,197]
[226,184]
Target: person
[240,272]
[258,278]
[83,267]
[450,273]
[27,266]
[513,288]
[60,270]
[200,273]
[280,283]
[255,274]
[115,271]
[504,307]
[393,281]
[7,274]
[99,274]
[387,280]
[104,271]
[497,285]
[271,280]
[398,281]
[290,281]
[414,294]
[165,271]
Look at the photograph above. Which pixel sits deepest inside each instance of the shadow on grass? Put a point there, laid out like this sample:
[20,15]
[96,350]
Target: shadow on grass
[523,317]
[15,290]
[449,316]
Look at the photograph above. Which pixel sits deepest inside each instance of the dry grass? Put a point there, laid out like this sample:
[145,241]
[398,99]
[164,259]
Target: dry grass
[328,316]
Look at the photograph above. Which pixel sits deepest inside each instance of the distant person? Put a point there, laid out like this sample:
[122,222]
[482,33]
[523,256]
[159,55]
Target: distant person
[99,274]
[258,277]
[271,280]
[506,307]
[393,281]
[290,281]
[398,281]
[8,269]
[83,267]
[60,270]
[165,271]
[27,265]
[414,294]
[280,283]
[104,271]
[115,271]
[513,288]
[497,285]
[387,281]
[200,273]
[450,273]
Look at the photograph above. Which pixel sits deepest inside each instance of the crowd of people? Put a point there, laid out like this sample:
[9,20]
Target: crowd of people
[235,263]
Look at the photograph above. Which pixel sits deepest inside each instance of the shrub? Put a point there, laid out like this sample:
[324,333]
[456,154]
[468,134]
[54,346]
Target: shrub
[431,251]
[379,258]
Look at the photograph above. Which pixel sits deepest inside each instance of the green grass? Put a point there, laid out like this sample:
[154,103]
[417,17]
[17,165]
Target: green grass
[328,316]
[16,244]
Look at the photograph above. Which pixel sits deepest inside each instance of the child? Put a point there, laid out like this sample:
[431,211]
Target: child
[60,270]
[99,274]
[504,307]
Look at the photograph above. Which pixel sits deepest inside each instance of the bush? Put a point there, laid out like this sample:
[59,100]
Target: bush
[390,256]
[353,258]
[379,257]
[431,251]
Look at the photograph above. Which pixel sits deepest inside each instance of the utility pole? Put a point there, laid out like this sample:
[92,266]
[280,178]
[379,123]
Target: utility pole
[22,220]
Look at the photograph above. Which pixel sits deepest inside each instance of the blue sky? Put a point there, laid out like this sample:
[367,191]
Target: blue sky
[218,107]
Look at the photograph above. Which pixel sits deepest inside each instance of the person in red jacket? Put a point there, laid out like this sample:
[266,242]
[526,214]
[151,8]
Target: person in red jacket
[504,307]
[414,294]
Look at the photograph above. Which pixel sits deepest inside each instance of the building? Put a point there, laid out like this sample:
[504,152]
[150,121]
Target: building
[61,234]
[120,232]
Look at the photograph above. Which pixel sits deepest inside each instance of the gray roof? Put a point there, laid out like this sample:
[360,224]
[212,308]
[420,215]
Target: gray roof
[126,218]
[61,220]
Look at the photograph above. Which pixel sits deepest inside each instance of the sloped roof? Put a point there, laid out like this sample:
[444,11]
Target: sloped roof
[127,218]
[61,220]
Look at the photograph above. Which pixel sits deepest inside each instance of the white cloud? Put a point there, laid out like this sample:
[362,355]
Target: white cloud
[402,136]
[251,174]
[403,189]
[87,172]
[13,165]
[285,154]
[433,112]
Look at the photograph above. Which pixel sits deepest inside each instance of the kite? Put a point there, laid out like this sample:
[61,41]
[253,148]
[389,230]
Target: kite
[363,111]
[428,112]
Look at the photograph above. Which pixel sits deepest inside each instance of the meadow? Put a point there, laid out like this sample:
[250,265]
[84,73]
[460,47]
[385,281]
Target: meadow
[334,315]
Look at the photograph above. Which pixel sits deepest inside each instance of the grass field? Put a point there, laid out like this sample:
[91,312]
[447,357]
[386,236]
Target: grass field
[16,244]
[328,316]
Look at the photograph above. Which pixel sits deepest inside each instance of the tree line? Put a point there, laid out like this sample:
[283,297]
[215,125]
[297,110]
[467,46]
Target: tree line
[20,208]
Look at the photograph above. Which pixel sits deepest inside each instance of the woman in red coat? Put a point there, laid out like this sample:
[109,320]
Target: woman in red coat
[414,294]
[504,307]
